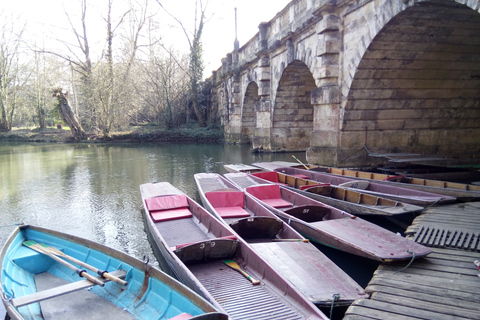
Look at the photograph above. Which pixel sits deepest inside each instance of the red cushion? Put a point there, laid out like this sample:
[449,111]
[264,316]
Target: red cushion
[166,215]
[267,175]
[269,194]
[232,212]
[277,203]
[182,316]
[220,199]
[166,202]
[267,191]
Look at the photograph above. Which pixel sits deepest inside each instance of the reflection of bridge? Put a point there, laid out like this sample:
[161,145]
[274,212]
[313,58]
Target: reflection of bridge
[330,76]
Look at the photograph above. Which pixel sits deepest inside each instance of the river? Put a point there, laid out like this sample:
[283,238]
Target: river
[92,190]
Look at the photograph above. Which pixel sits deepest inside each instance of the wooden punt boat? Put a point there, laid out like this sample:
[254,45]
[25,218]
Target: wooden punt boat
[198,248]
[461,191]
[40,280]
[398,193]
[298,260]
[350,200]
[328,225]
[240,167]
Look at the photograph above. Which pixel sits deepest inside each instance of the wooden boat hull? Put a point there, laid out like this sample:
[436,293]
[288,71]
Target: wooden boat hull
[350,200]
[415,197]
[460,191]
[24,271]
[200,264]
[333,227]
[312,273]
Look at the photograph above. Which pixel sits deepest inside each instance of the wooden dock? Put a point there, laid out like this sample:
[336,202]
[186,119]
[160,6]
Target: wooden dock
[444,285]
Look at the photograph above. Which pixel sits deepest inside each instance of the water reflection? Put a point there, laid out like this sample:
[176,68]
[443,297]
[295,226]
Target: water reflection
[92,191]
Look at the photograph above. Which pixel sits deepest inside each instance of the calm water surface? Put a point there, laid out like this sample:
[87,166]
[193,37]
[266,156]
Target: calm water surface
[92,191]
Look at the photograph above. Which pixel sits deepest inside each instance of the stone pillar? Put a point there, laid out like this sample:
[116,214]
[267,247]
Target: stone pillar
[324,140]
[262,139]
[234,128]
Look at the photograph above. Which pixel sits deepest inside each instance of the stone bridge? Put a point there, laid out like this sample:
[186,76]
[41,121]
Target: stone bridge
[340,78]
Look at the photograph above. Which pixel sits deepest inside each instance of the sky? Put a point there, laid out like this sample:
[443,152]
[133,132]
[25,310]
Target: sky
[43,16]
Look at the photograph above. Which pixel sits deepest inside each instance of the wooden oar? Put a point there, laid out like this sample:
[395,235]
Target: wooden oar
[290,240]
[80,272]
[101,273]
[232,264]
[300,162]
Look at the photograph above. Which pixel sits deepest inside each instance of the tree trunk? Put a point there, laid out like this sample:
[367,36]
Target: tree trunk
[68,115]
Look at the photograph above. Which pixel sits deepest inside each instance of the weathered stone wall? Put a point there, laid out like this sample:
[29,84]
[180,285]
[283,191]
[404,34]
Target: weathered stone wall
[333,77]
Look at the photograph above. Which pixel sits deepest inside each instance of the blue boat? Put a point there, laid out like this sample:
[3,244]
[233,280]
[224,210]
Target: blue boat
[51,275]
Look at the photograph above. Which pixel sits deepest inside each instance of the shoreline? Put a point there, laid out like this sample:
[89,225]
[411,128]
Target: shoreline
[136,134]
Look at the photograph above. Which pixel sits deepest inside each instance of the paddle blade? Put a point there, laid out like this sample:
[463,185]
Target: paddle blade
[232,264]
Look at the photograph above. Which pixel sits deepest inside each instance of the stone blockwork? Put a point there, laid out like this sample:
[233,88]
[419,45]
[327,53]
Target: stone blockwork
[336,78]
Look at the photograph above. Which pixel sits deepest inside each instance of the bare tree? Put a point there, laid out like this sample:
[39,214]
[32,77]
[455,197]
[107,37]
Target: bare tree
[68,115]
[196,56]
[10,41]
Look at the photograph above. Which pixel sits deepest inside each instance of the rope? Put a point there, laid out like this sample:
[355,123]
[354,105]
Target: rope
[408,265]
[335,297]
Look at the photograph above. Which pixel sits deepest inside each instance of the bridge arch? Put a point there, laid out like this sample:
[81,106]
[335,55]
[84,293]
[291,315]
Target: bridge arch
[292,116]
[416,87]
[249,115]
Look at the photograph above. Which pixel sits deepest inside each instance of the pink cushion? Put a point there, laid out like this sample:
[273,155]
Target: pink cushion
[220,199]
[172,214]
[182,316]
[267,175]
[269,194]
[277,203]
[166,202]
[267,191]
[232,212]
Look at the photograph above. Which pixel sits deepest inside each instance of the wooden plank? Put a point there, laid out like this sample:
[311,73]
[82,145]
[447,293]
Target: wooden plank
[414,287]
[434,296]
[406,311]
[465,284]
[417,303]
[61,290]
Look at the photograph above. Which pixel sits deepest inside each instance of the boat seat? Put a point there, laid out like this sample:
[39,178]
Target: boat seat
[211,249]
[271,176]
[228,204]
[62,289]
[270,194]
[257,227]
[171,207]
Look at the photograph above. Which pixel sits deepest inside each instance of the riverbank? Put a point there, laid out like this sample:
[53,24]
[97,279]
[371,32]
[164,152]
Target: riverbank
[134,134]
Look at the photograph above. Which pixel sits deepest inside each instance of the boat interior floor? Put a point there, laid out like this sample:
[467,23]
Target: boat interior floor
[182,231]
[238,296]
[72,305]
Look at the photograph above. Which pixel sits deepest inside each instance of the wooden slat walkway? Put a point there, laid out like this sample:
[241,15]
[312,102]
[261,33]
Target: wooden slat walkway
[444,285]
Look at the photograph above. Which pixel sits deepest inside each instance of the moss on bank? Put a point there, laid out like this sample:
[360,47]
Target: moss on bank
[134,134]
